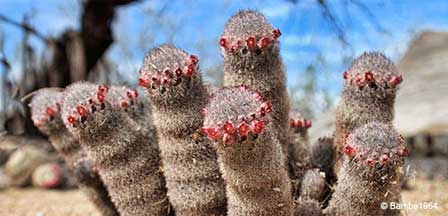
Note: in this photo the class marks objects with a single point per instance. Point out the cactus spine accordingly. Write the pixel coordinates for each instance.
(177, 94)
(127, 159)
(45, 113)
(250, 48)
(373, 156)
(238, 121)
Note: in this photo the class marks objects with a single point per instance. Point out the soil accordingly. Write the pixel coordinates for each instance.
(40, 202)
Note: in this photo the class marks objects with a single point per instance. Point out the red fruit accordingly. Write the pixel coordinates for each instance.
(292, 123)
(251, 42)
(71, 119)
(258, 126)
(194, 59)
(100, 96)
(50, 111)
(124, 104)
(228, 128)
(258, 96)
(345, 75)
(370, 162)
(129, 94)
(190, 70)
(82, 110)
(349, 150)
(369, 76)
(395, 80)
(212, 133)
(308, 123)
(276, 33)
(223, 42)
(266, 107)
(264, 42)
(227, 139)
(384, 159)
(404, 152)
(299, 123)
(165, 81)
(143, 82)
(243, 130)
(103, 88)
(178, 72)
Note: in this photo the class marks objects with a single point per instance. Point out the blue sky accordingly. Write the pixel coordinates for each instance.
(196, 26)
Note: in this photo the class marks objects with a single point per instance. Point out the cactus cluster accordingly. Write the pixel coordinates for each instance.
(202, 150)
(46, 115)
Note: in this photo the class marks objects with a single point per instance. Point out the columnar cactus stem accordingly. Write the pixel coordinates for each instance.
(314, 185)
(250, 48)
(374, 155)
(239, 123)
(177, 94)
(127, 159)
(369, 94)
(323, 155)
(298, 149)
(45, 113)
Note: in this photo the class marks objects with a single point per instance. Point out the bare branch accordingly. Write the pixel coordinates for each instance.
(26, 27)
(372, 18)
(328, 14)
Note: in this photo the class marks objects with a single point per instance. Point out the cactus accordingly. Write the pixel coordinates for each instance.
(314, 185)
(298, 149)
(177, 94)
(239, 123)
(373, 156)
(250, 47)
(45, 113)
(308, 207)
(369, 93)
(323, 156)
(127, 159)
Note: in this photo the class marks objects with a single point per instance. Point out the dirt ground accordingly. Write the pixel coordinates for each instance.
(38, 202)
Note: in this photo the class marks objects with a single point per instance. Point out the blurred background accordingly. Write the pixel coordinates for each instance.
(53, 43)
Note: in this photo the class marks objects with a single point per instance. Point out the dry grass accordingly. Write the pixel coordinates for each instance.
(427, 191)
(38, 202)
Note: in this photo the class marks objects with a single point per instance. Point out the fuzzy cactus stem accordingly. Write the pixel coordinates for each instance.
(250, 47)
(370, 171)
(126, 158)
(239, 122)
(46, 115)
(177, 94)
(370, 86)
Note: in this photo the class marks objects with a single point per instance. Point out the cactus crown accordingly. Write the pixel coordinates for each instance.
(80, 100)
(375, 144)
(297, 123)
(124, 98)
(248, 32)
(169, 72)
(45, 110)
(372, 70)
(234, 113)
